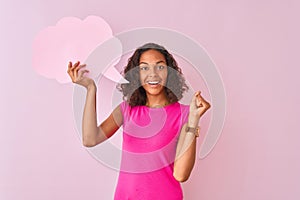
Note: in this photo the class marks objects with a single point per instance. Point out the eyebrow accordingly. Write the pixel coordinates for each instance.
(161, 61)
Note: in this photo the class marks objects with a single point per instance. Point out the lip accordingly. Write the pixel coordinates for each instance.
(153, 85)
(153, 81)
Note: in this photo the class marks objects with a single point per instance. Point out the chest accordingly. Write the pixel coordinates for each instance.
(151, 130)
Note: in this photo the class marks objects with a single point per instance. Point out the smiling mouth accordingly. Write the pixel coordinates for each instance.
(153, 82)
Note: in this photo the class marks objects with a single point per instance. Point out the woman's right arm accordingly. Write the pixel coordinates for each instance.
(91, 133)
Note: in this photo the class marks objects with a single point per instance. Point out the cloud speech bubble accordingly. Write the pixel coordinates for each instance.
(71, 39)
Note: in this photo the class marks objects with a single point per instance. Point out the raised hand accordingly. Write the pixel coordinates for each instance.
(78, 76)
(198, 106)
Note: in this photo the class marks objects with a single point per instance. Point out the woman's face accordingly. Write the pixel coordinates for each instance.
(153, 72)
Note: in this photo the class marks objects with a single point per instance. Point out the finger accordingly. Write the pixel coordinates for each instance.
(198, 99)
(204, 101)
(71, 76)
(69, 65)
(199, 103)
(194, 101)
(205, 104)
(70, 72)
(197, 94)
(195, 98)
(82, 72)
(75, 65)
(201, 98)
(78, 68)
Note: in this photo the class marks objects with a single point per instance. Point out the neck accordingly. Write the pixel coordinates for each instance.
(157, 101)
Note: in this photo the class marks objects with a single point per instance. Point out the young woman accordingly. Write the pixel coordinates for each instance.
(159, 133)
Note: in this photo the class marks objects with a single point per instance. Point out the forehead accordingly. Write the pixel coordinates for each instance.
(152, 56)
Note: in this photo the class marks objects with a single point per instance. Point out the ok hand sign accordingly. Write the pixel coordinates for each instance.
(198, 105)
(77, 76)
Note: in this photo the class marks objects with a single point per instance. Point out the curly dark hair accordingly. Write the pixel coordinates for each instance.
(135, 94)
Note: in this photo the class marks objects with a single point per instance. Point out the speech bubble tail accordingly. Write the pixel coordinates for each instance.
(112, 74)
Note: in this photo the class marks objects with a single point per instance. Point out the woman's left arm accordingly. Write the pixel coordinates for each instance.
(186, 146)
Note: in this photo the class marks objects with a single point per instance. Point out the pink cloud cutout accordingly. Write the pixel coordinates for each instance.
(71, 39)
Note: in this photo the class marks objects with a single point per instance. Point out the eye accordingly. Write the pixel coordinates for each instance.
(144, 68)
(160, 67)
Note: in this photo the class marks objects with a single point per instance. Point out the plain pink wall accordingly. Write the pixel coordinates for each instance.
(255, 45)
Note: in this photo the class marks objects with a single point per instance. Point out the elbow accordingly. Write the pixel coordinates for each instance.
(180, 177)
(87, 143)
(181, 173)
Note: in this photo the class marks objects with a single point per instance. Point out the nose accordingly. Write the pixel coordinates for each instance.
(152, 71)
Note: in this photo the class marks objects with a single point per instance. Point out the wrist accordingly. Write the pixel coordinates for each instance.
(193, 122)
(192, 130)
(92, 87)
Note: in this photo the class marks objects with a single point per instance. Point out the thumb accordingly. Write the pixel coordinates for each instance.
(194, 99)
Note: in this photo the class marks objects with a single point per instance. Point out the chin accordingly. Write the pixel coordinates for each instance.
(154, 91)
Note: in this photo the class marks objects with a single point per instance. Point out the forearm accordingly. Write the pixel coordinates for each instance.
(89, 121)
(185, 152)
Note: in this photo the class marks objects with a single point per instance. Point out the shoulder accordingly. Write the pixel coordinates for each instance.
(125, 107)
(184, 107)
(184, 110)
(124, 104)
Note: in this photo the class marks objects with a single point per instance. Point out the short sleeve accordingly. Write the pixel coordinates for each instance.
(125, 109)
(185, 109)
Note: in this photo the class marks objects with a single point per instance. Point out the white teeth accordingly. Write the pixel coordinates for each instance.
(153, 82)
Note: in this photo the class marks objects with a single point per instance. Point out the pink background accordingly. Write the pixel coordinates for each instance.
(255, 45)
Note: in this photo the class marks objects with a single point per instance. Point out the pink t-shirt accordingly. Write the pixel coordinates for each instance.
(150, 137)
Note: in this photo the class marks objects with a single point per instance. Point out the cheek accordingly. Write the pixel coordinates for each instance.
(164, 76)
(142, 78)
